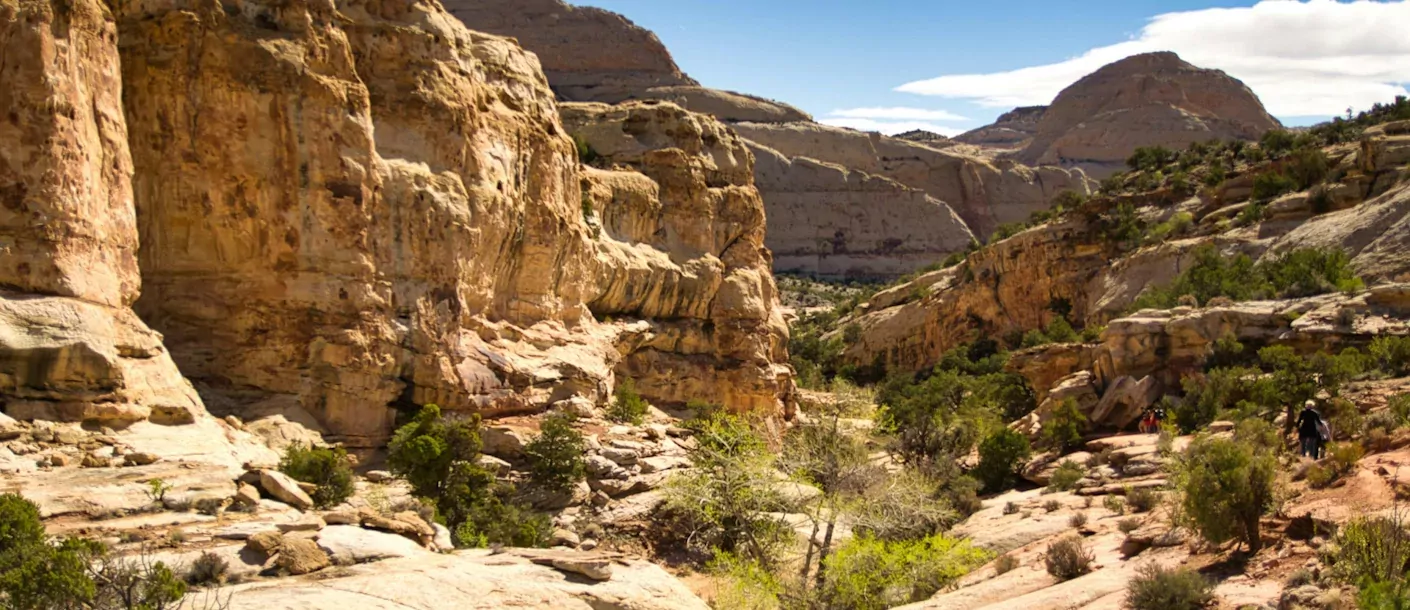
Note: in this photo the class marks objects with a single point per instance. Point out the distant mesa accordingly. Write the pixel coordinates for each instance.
(1143, 100)
(1010, 133)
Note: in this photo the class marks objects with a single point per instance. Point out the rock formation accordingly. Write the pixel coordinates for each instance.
(593, 55)
(1014, 285)
(832, 221)
(384, 213)
(70, 347)
(1012, 131)
(1143, 100)
(985, 194)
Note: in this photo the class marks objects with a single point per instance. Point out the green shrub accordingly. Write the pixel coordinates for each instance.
(1010, 508)
(1067, 559)
(1007, 230)
(1296, 273)
(1066, 476)
(628, 407)
(1158, 588)
(1150, 158)
(1307, 167)
(1270, 185)
(1320, 201)
(1000, 456)
(1311, 271)
(439, 457)
(1275, 142)
(1342, 458)
(1400, 407)
(1391, 354)
(1064, 428)
(556, 455)
(1114, 503)
(870, 574)
(1383, 595)
(1371, 548)
(327, 468)
(1225, 487)
(586, 154)
(1142, 499)
(744, 584)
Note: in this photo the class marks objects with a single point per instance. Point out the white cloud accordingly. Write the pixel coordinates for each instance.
(890, 128)
(897, 114)
(1303, 58)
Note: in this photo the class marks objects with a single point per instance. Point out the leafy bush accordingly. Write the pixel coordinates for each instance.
(1010, 508)
(870, 574)
(1400, 407)
(628, 407)
(327, 468)
(1005, 564)
(744, 584)
(1142, 499)
(1307, 167)
(556, 455)
(724, 502)
(1067, 559)
(39, 574)
(1000, 455)
(1007, 230)
(1271, 184)
(1225, 487)
(1342, 457)
(1311, 271)
(1391, 354)
(586, 154)
(1150, 158)
(1275, 142)
(439, 457)
(1114, 503)
(1064, 428)
(1371, 548)
(1383, 595)
(1297, 273)
(1158, 588)
(1066, 476)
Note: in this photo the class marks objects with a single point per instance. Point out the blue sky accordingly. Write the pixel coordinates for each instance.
(963, 63)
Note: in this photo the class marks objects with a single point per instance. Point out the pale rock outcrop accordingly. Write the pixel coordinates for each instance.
(593, 55)
(984, 193)
(1144, 100)
(70, 349)
(828, 220)
(685, 249)
(1012, 131)
(476, 580)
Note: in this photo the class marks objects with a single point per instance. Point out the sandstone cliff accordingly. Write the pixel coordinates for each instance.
(70, 347)
(831, 221)
(1012, 131)
(592, 55)
(345, 210)
(985, 194)
(1143, 100)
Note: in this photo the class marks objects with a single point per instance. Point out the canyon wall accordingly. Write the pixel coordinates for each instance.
(70, 347)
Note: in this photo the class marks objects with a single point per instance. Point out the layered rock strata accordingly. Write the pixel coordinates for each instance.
(70, 347)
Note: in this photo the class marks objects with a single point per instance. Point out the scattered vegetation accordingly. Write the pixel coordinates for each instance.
(871, 574)
(1158, 588)
(326, 468)
(1225, 487)
(1068, 558)
(1077, 520)
(628, 407)
(1066, 476)
(556, 455)
(1297, 273)
(208, 569)
(439, 457)
(1064, 429)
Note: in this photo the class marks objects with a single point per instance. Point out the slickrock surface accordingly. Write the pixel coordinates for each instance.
(1143, 100)
(831, 221)
(985, 194)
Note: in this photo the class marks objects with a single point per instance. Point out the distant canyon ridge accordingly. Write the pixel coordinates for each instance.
(843, 203)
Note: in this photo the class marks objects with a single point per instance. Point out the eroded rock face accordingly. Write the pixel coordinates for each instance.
(593, 55)
(1013, 130)
(985, 194)
(70, 349)
(1143, 100)
(827, 220)
(683, 244)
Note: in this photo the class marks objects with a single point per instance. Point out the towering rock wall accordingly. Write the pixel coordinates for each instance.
(683, 245)
(70, 348)
(832, 221)
(985, 194)
(346, 209)
(1143, 100)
